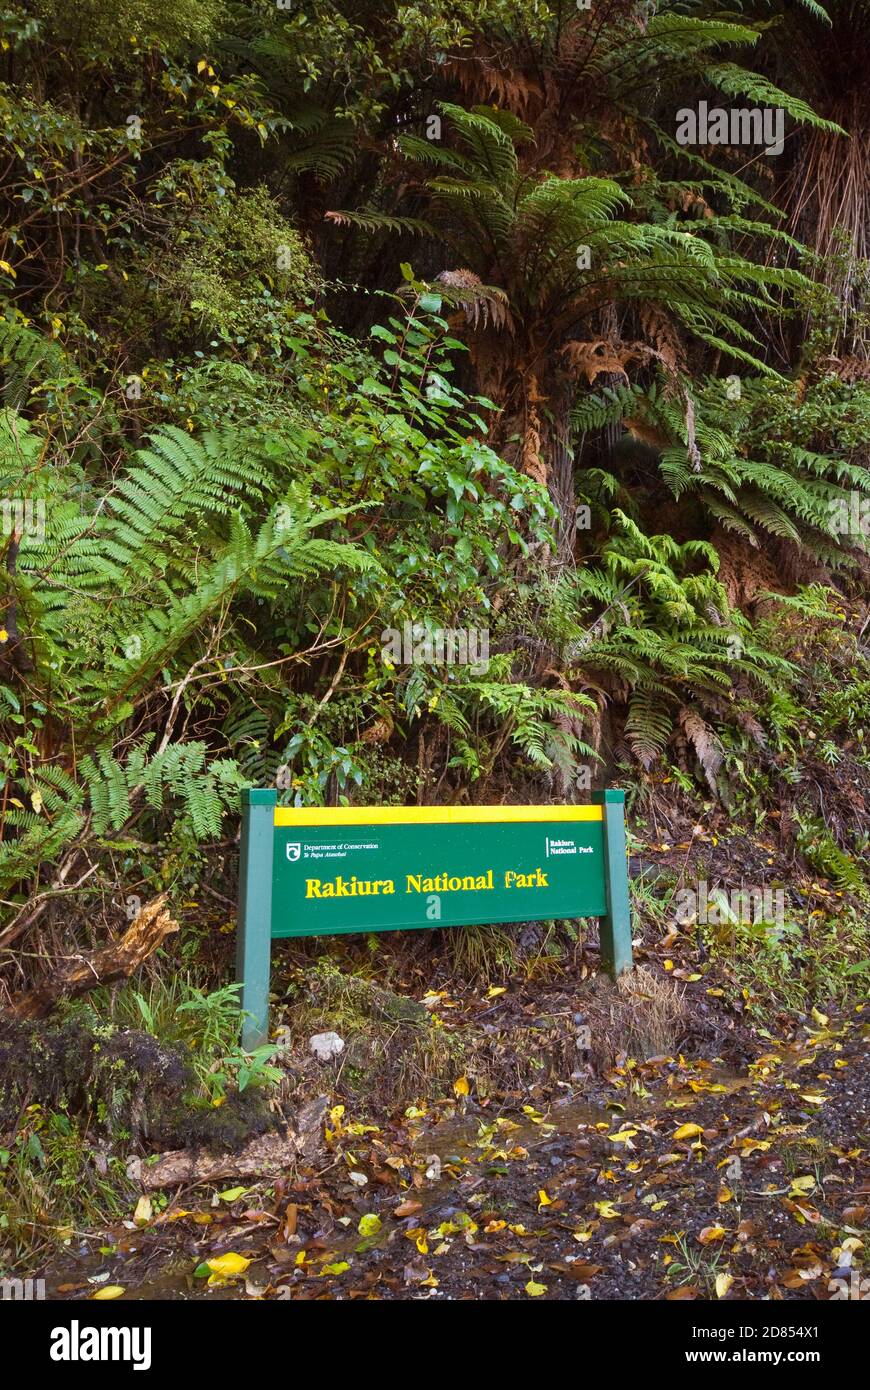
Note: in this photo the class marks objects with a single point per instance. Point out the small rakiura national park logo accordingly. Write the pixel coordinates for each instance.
(293, 852)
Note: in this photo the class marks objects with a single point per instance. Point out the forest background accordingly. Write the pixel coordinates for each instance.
(322, 323)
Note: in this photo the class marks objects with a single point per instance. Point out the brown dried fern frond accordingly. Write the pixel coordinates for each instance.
(708, 749)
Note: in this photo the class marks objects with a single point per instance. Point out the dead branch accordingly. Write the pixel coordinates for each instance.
(118, 961)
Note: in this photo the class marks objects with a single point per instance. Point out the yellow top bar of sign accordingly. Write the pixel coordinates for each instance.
(430, 815)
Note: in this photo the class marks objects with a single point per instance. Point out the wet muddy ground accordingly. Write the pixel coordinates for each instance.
(671, 1178)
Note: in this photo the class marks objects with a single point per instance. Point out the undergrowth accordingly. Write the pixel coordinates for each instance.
(812, 960)
(56, 1179)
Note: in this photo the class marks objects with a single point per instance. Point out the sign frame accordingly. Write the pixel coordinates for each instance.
(263, 822)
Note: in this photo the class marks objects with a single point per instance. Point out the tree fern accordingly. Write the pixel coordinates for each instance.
(645, 624)
(787, 490)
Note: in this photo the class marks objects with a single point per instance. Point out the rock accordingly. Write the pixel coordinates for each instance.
(309, 1126)
(325, 1046)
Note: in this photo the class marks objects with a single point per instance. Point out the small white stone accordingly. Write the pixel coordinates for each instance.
(325, 1046)
(359, 1178)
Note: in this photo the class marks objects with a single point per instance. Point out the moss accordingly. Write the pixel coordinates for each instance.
(332, 987)
(126, 1083)
(393, 1049)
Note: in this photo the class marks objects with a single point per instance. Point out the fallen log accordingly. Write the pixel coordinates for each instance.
(117, 961)
(267, 1156)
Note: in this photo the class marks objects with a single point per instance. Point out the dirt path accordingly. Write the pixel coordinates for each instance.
(676, 1179)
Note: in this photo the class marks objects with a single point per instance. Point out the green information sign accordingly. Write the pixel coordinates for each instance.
(327, 870)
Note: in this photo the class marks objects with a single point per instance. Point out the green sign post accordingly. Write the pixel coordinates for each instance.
(322, 871)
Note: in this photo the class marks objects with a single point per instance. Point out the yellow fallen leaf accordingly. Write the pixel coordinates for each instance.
(723, 1284)
(228, 1265)
(688, 1131)
(369, 1225)
(801, 1187)
(535, 1290)
(607, 1210)
(495, 990)
(108, 1291)
(544, 1200)
(711, 1233)
(821, 1019)
(461, 1086)
(144, 1211)
(232, 1194)
(418, 1236)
